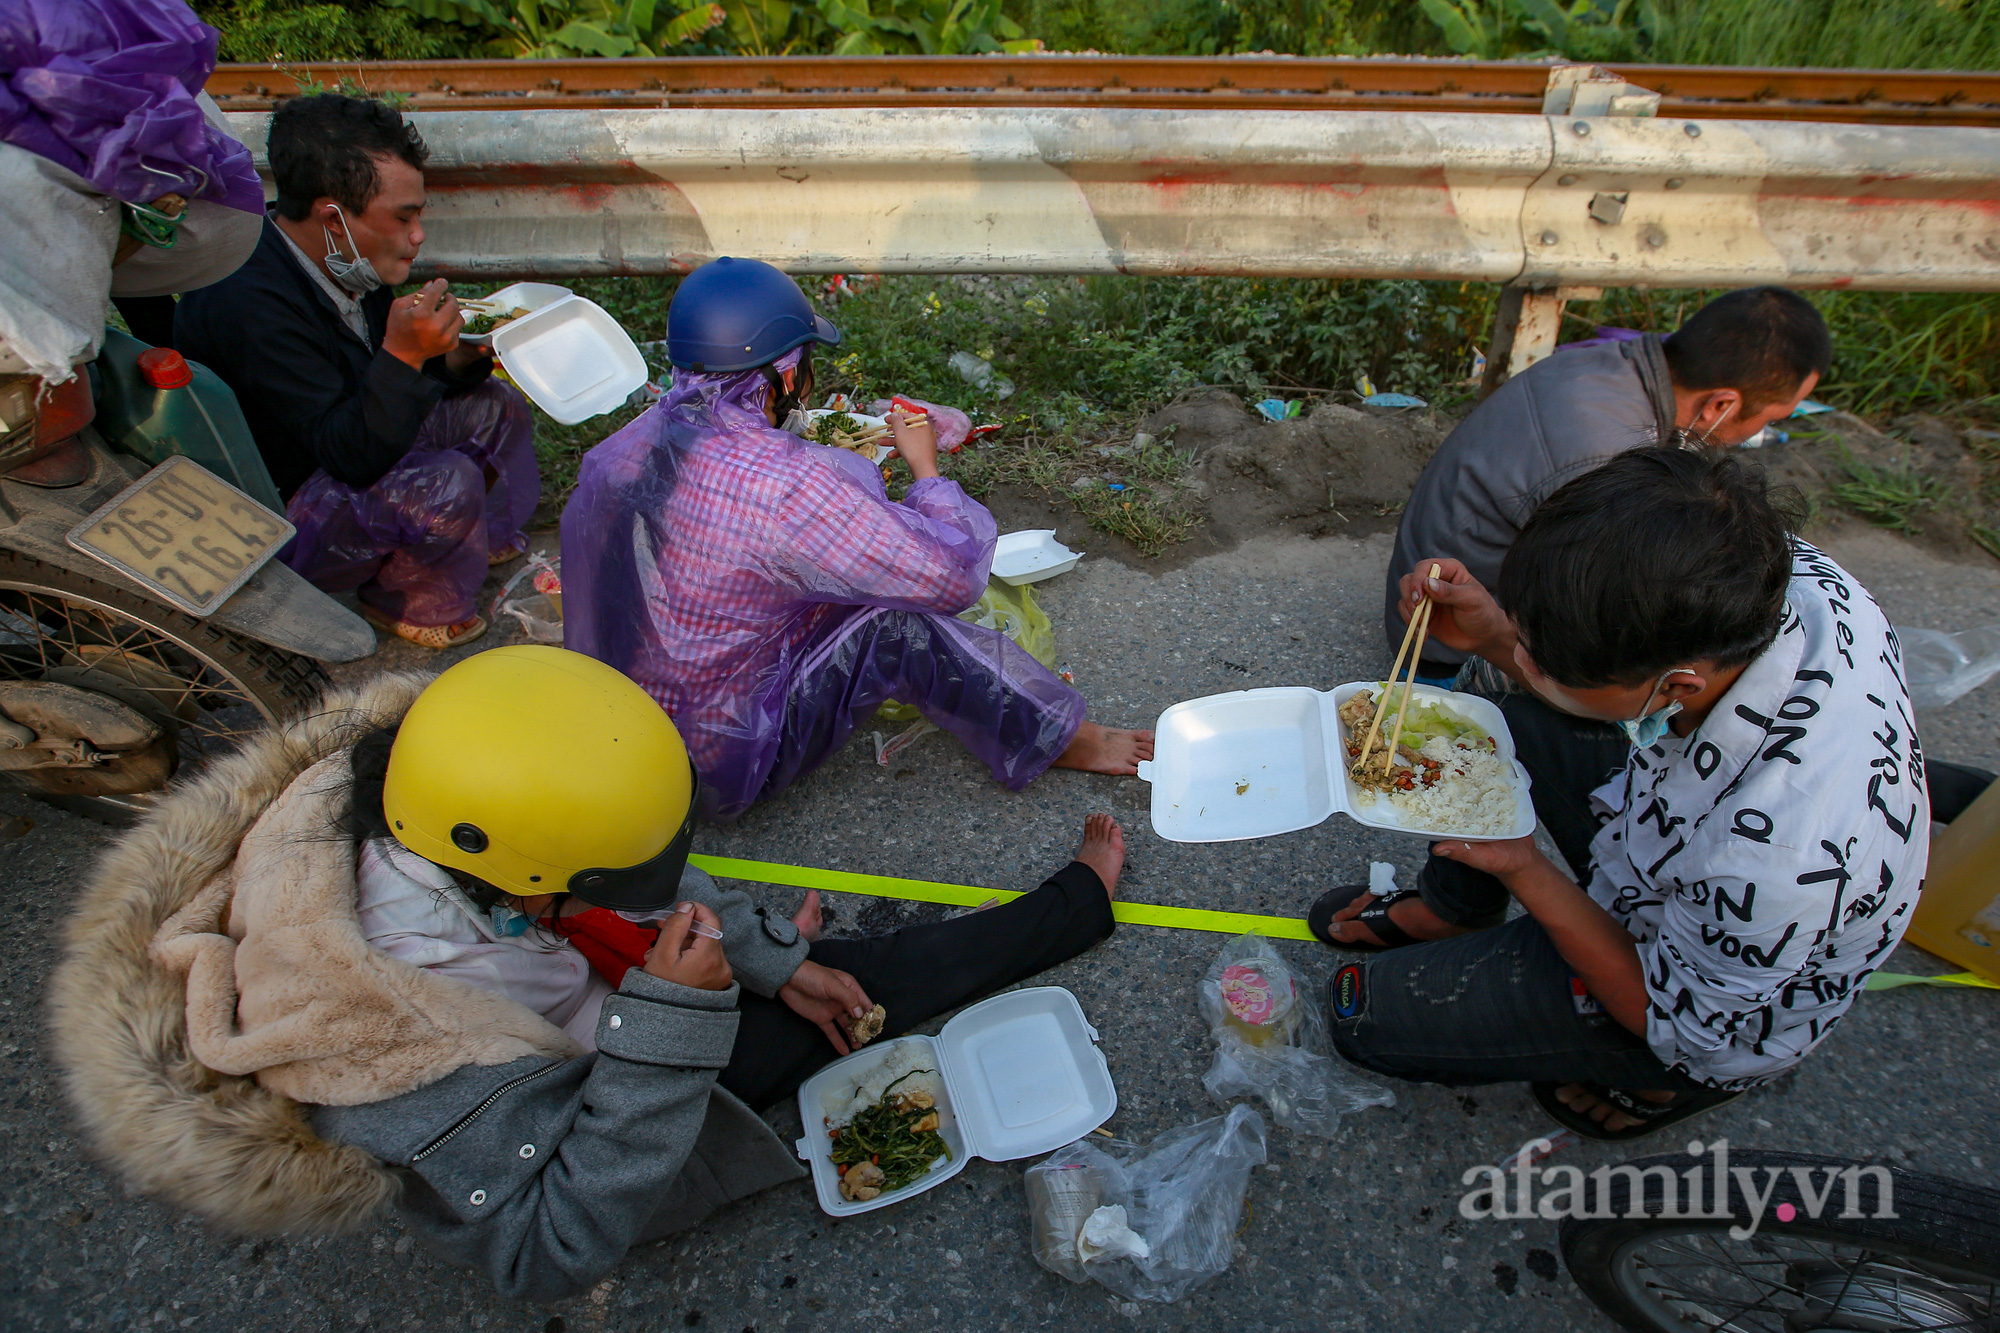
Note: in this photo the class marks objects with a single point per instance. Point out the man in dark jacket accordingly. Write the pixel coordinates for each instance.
(1739, 363)
(407, 469)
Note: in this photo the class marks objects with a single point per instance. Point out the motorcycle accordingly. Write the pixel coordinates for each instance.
(145, 625)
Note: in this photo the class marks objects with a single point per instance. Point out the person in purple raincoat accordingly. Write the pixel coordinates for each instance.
(407, 469)
(768, 592)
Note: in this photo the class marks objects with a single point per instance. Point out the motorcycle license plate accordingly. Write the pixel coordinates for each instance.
(183, 533)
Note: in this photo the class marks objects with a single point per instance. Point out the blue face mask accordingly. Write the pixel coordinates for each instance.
(507, 923)
(1645, 730)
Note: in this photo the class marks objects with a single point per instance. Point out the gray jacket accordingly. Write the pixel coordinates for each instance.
(1561, 417)
(542, 1174)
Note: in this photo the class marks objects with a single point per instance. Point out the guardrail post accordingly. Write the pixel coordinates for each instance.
(1525, 329)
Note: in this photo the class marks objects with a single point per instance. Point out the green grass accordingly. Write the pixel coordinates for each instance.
(1887, 497)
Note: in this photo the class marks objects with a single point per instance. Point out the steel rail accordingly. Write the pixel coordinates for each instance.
(1542, 201)
(1251, 83)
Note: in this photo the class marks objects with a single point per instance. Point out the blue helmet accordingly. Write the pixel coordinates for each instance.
(738, 314)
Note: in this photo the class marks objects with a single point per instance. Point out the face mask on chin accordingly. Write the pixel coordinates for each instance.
(356, 275)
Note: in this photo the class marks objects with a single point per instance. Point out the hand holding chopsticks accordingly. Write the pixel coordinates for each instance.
(1420, 621)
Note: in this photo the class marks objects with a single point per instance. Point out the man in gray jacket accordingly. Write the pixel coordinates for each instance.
(1739, 363)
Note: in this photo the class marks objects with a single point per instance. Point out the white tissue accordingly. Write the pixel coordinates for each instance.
(1381, 878)
(1105, 1236)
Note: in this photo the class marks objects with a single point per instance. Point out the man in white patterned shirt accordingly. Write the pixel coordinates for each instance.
(1751, 864)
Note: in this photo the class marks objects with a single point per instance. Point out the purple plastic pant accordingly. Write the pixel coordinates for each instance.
(1014, 714)
(415, 543)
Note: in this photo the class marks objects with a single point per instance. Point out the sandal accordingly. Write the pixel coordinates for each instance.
(1652, 1116)
(1320, 919)
(494, 559)
(435, 637)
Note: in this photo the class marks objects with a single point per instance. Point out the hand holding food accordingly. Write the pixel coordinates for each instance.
(423, 324)
(686, 956)
(1501, 859)
(823, 996)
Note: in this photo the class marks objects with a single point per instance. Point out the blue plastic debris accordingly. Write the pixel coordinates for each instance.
(1117, 486)
(1392, 400)
(1810, 408)
(1277, 409)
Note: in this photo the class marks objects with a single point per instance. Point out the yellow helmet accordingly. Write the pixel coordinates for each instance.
(544, 771)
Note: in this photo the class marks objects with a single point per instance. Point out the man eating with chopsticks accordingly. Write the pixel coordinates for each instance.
(406, 467)
(1734, 883)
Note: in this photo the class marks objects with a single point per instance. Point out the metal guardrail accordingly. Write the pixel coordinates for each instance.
(1157, 82)
(1544, 201)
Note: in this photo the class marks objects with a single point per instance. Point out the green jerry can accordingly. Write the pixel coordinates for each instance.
(154, 403)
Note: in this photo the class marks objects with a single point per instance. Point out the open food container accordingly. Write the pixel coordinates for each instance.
(528, 296)
(1022, 1076)
(1257, 763)
(1030, 557)
(879, 454)
(569, 356)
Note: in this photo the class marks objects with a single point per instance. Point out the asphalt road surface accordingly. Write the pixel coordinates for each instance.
(1358, 1232)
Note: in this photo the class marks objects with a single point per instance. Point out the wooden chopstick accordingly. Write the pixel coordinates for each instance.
(1410, 688)
(1420, 620)
(1382, 704)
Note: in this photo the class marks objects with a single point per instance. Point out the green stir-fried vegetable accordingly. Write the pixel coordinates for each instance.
(886, 1135)
(1426, 720)
(828, 429)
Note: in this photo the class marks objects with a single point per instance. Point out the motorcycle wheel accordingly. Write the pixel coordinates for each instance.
(207, 687)
(1933, 1265)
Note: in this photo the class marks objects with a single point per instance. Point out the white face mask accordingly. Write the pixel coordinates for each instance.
(357, 275)
(1643, 730)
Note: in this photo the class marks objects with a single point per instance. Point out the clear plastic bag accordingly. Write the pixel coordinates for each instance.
(540, 611)
(1271, 1042)
(1940, 667)
(1182, 1195)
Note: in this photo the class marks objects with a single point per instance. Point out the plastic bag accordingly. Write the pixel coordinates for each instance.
(1182, 1196)
(1940, 667)
(1271, 1042)
(953, 427)
(540, 611)
(107, 88)
(1012, 611)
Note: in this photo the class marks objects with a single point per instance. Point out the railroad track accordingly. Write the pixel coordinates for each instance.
(1265, 83)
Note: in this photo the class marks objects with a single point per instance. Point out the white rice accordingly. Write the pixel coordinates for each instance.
(1473, 798)
(866, 1083)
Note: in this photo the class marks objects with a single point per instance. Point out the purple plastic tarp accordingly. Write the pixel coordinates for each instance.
(770, 595)
(106, 88)
(415, 543)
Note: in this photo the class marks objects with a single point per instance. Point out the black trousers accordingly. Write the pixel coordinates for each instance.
(1500, 1005)
(918, 973)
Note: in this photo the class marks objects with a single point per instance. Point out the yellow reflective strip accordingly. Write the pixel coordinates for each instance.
(966, 895)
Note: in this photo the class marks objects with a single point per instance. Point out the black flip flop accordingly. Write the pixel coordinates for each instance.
(1652, 1116)
(1320, 919)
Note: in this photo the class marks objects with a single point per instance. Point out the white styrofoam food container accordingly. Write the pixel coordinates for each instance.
(571, 357)
(1021, 1074)
(882, 451)
(1282, 748)
(1030, 557)
(528, 296)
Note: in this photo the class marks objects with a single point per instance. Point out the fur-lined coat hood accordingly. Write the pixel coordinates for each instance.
(240, 879)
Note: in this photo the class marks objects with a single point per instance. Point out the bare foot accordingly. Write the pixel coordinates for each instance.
(808, 918)
(1097, 749)
(1103, 850)
(1574, 1096)
(1411, 914)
